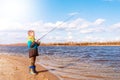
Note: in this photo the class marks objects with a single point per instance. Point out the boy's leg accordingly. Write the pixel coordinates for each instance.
(32, 65)
(32, 61)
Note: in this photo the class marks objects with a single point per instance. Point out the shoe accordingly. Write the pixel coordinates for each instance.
(32, 70)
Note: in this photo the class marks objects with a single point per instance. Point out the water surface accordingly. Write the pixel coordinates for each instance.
(76, 63)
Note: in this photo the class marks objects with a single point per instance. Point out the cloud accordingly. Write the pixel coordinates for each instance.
(8, 25)
(79, 24)
(91, 38)
(99, 21)
(13, 37)
(82, 26)
(69, 36)
(114, 27)
(76, 24)
(90, 30)
(73, 13)
(68, 31)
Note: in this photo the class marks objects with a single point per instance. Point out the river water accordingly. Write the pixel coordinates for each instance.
(76, 62)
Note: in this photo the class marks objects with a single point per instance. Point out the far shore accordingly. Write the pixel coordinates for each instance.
(70, 44)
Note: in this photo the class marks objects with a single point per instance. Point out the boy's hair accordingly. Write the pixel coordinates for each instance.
(30, 31)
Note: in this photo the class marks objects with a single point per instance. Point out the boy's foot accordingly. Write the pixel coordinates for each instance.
(32, 70)
(33, 73)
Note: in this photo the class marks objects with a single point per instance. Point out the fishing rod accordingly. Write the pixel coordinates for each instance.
(55, 27)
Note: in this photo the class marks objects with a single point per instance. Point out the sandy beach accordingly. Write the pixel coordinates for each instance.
(16, 68)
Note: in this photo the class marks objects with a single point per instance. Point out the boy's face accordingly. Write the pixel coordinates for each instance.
(32, 34)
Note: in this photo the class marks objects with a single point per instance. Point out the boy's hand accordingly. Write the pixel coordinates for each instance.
(37, 41)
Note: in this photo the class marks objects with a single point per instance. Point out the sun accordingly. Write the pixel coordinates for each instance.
(13, 8)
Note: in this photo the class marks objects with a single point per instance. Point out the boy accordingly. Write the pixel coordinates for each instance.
(33, 51)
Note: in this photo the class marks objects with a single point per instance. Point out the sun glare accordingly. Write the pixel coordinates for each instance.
(13, 9)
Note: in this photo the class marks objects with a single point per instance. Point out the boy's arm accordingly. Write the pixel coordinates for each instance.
(35, 43)
(29, 44)
(32, 44)
(38, 43)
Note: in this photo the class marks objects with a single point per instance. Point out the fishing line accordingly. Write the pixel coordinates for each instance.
(56, 27)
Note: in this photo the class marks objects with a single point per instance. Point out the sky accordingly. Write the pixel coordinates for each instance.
(91, 21)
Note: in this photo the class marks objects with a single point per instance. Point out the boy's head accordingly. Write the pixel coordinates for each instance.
(31, 33)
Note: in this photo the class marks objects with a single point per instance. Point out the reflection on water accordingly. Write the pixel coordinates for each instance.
(77, 63)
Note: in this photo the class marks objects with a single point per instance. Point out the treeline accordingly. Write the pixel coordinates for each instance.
(82, 44)
(70, 44)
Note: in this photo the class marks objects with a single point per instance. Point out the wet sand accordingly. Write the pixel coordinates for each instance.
(16, 68)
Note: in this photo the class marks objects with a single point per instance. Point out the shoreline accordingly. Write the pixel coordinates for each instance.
(69, 44)
(16, 68)
(58, 45)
